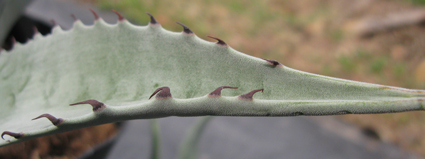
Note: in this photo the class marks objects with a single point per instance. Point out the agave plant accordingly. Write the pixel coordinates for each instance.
(127, 72)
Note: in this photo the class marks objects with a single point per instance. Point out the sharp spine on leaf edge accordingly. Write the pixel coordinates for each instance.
(97, 106)
(153, 20)
(217, 92)
(96, 17)
(161, 93)
(120, 17)
(15, 135)
(74, 17)
(185, 28)
(249, 95)
(55, 121)
(219, 41)
(273, 62)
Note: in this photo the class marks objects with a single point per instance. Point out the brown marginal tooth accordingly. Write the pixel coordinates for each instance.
(219, 41)
(217, 92)
(55, 121)
(273, 62)
(96, 17)
(97, 106)
(153, 20)
(249, 95)
(161, 93)
(35, 29)
(15, 135)
(185, 28)
(120, 17)
(53, 22)
(74, 17)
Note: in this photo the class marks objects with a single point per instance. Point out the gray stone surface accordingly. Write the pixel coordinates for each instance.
(258, 137)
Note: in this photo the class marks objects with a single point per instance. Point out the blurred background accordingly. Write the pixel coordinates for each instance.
(375, 41)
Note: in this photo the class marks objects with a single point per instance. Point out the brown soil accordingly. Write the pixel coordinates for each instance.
(66, 145)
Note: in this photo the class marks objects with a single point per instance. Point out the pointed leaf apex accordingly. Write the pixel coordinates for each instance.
(161, 93)
(55, 121)
(96, 17)
(219, 41)
(97, 106)
(185, 28)
(249, 95)
(15, 135)
(217, 92)
(120, 17)
(153, 20)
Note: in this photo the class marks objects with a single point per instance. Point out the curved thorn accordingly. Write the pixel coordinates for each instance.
(96, 17)
(185, 28)
(15, 135)
(273, 62)
(35, 29)
(74, 17)
(164, 92)
(120, 17)
(55, 121)
(53, 22)
(97, 106)
(219, 41)
(217, 92)
(249, 95)
(153, 20)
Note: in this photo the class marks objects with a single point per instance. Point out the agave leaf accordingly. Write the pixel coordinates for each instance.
(156, 140)
(121, 65)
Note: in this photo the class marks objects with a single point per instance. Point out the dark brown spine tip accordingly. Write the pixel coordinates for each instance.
(15, 135)
(97, 106)
(217, 92)
(96, 17)
(249, 95)
(153, 20)
(273, 62)
(35, 29)
(55, 121)
(53, 22)
(161, 93)
(219, 41)
(120, 17)
(185, 28)
(74, 17)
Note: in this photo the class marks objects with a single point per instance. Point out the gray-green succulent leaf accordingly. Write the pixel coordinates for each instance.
(108, 72)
